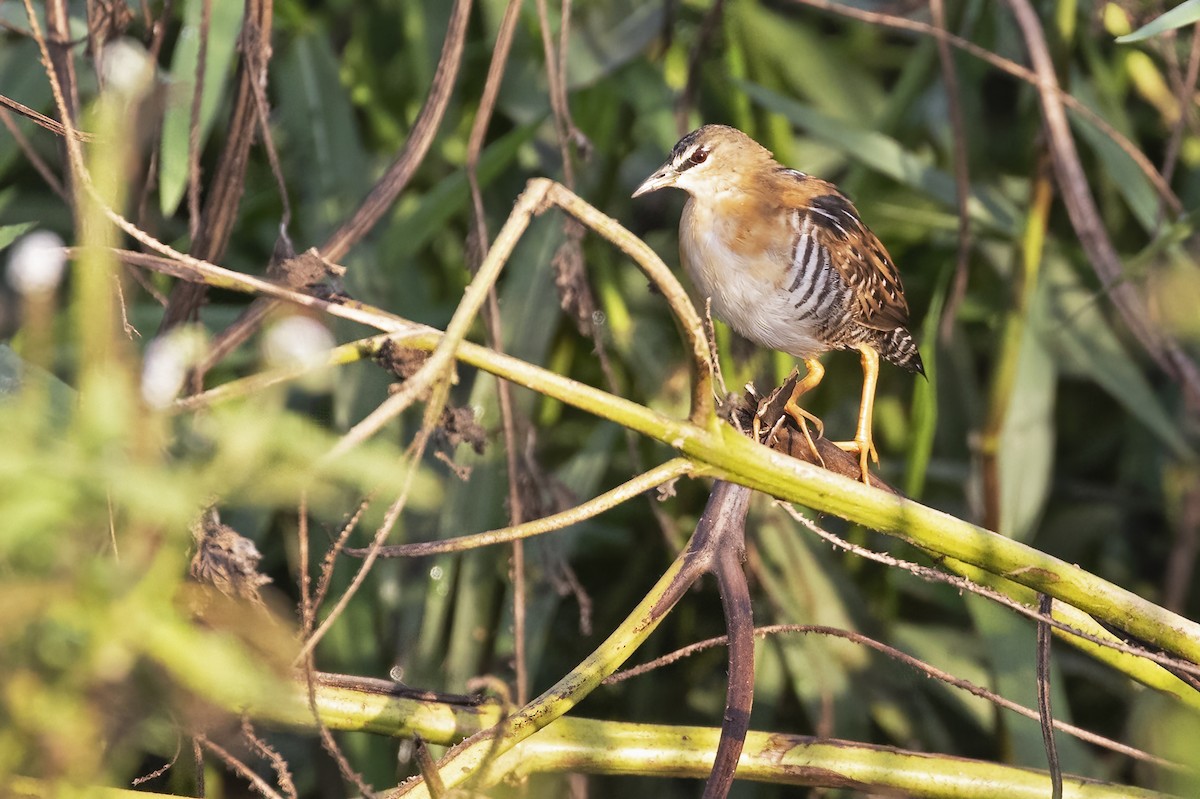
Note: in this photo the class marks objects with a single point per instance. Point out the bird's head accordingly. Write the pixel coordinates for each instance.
(708, 160)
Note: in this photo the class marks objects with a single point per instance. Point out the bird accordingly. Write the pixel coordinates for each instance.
(787, 262)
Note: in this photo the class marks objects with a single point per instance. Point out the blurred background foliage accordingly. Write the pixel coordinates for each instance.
(1033, 376)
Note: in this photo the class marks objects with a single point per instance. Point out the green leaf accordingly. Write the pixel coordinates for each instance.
(885, 155)
(1084, 342)
(20, 80)
(1183, 14)
(806, 584)
(414, 225)
(321, 141)
(1119, 168)
(10, 233)
(953, 651)
(1010, 647)
(1026, 455)
(224, 28)
(924, 405)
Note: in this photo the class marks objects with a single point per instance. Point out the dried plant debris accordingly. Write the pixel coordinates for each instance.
(401, 361)
(305, 270)
(225, 559)
(779, 431)
(458, 425)
(570, 278)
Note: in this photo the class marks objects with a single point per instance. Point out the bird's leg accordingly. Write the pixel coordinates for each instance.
(863, 442)
(816, 372)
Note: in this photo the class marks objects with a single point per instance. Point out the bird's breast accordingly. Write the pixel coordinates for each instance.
(743, 274)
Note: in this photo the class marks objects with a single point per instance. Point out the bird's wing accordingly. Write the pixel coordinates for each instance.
(856, 252)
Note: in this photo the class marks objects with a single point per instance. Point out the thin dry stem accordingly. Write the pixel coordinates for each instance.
(1016, 70)
(35, 160)
(247, 773)
(1045, 711)
(41, 119)
(1186, 92)
(389, 521)
(963, 584)
(915, 663)
(264, 750)
(962, 175)
(385, 192)
(516, 510)
(193, 153)
(671, 470)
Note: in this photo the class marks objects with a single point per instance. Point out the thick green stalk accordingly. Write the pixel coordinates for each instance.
(611, 747)
(738, 459)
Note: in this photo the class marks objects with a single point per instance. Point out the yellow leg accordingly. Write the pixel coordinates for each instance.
(863, 442)
(816, 372)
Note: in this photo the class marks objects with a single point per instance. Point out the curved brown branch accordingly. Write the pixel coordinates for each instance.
(1081, 208)
(385, 192)
(739, 626)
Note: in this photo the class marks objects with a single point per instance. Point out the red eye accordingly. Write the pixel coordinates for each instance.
(698, 157)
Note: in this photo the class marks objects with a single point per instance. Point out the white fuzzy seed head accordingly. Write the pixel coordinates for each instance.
(36, 263)
(126, 67)
(168, 359)
(297, 342)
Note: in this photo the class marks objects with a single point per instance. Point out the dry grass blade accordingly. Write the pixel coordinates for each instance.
(671, 470)
(224, 193)
(41, 119)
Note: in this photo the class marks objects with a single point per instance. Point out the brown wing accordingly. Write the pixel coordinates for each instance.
(854, 251)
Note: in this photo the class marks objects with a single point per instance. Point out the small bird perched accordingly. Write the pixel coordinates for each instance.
(787, 263)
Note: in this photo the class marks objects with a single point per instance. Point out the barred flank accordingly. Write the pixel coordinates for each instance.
(899, 348)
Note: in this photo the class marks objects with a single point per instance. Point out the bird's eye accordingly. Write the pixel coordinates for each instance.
(698, 157)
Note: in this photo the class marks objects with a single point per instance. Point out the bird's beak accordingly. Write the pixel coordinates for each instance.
(664, 177)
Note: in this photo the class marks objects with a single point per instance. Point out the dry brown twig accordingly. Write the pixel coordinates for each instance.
(224, 193)
(910, 661)
(238, 767)
(963, 584)
(962, 175)
(508, 422)
(1016, 70)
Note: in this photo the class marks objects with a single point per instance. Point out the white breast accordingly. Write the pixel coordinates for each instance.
(745, 288)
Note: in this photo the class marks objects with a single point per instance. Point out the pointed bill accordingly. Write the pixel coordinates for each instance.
(665, 176)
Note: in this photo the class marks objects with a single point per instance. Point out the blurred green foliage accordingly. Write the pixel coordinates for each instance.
(104, 658)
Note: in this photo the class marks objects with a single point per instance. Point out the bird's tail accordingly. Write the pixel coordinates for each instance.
(899, 348)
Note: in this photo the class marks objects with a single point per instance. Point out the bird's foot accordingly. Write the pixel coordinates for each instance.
(865, 449)
(802, 418)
